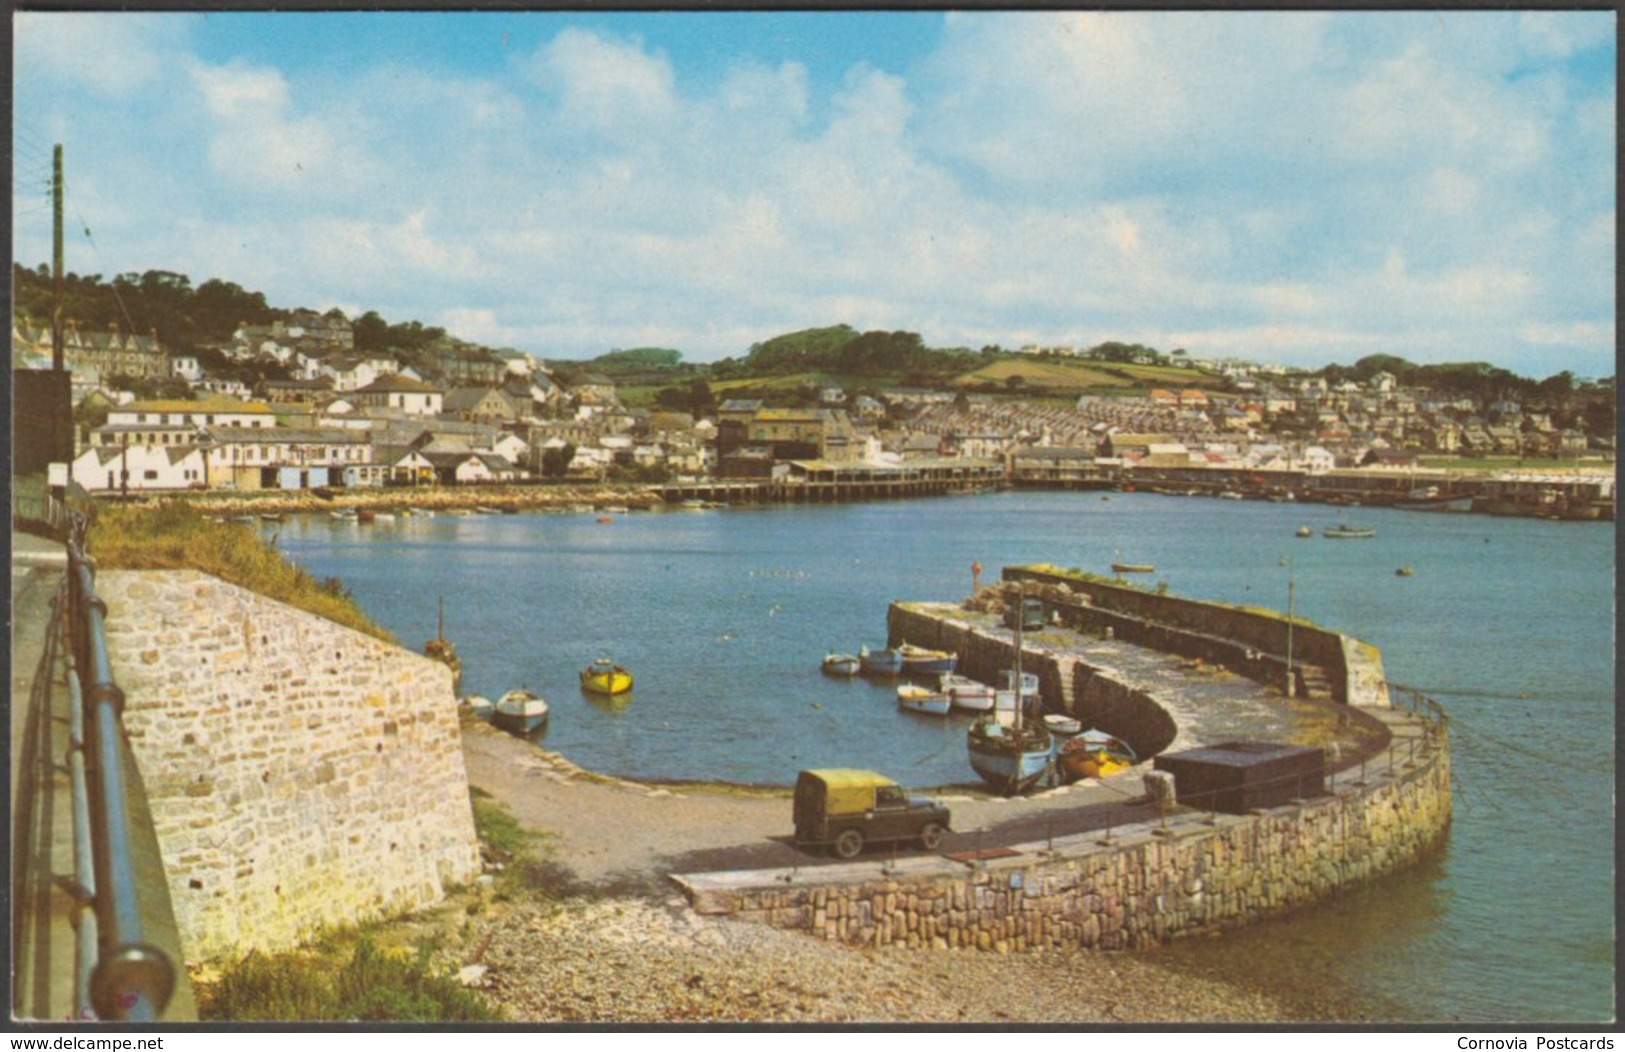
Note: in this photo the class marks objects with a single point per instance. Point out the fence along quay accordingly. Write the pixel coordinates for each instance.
(123, 945)
(1190, 868)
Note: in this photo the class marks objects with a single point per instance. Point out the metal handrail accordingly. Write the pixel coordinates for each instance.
(131, 979)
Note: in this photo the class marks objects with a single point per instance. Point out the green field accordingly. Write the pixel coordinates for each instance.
(1059, 375)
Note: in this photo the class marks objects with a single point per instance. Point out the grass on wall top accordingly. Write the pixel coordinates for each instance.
(174, 536)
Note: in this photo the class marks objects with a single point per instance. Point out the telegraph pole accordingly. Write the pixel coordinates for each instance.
(57, 353)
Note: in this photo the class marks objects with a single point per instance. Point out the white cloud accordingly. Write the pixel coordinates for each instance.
(109, 53)
(607, 86)
(1301, 184)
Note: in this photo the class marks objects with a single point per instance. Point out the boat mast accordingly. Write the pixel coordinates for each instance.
(1021, 616)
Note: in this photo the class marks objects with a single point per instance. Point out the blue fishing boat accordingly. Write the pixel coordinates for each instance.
(886, 662)
(1011, 758)
(1011, 749)
(920, 661)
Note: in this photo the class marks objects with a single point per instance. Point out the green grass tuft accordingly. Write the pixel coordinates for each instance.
(321, 984)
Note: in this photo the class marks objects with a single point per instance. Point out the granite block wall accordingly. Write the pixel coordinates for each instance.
(299, 773)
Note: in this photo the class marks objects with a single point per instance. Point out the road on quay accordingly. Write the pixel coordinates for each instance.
(618, 836)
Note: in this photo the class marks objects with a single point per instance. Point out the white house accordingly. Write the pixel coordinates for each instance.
(117, 469)
(412, 397)
(1317, 460)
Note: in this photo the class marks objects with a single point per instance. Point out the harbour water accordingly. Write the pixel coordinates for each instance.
(724, 617)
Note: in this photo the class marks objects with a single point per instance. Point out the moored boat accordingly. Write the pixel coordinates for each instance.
(442, 650)
(1062, 726)
(1028, 682)
(965, 693)
(1304, 531)
(520, 712)
(1347, 532)
(921, 661)
(603, 676)
(840, 665)
(914, 698)
(478, 705)
(1433, 499)
(1133, 568)
(883, 662)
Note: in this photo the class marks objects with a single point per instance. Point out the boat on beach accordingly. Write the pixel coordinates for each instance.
(1093, 754)
(520, 712)
(840, 664)
(603, 676)
(912, 697)
(1012, 750)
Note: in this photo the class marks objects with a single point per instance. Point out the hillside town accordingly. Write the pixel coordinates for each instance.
(466, 415)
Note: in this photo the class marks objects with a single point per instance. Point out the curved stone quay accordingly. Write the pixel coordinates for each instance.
(1166, 674)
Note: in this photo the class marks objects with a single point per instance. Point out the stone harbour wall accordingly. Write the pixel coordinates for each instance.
(1132, 888)
(1068, 684)
(299, 773)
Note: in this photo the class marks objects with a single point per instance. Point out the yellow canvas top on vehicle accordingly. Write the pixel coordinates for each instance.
(848, 789)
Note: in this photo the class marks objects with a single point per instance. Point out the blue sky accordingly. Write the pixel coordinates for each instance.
(1299, 188)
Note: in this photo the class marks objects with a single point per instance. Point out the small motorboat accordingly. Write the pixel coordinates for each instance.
(915, 698)
(1304, 531)
(1029, 682)
(884, 662)
(965, 693)
(840, 664)
(921, 661)
(478, 705)
(605, 677)
(1405, 571)
(1347, 532)
(520, 712)
(1094, 754)
(1062, 726)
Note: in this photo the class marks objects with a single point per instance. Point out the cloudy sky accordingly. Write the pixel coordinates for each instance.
(1299, 188)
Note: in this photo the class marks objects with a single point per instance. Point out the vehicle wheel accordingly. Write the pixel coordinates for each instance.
(849, 843)
(931, 836)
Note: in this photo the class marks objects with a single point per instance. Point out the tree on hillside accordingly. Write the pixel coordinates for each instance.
(371, 332)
